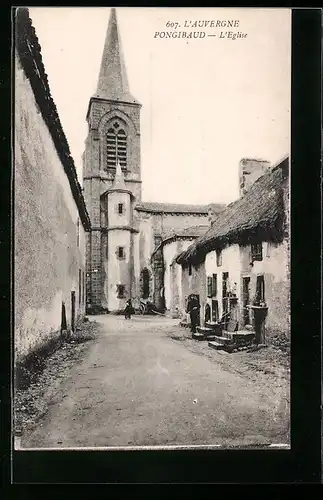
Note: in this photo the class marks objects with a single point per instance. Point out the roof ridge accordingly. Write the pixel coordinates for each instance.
(30, 56)
(257, 208)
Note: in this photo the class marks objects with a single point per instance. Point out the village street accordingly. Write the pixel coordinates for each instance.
(138, 385)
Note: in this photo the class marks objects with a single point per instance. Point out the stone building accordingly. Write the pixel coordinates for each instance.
(50, 217)
(244, 257)
(169, 248)
(125, 229)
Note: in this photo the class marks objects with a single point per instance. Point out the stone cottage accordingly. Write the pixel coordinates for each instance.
(50, 217)
(243, 259)
(169, 248)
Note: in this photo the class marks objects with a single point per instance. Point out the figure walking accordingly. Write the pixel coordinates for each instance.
(128, 309)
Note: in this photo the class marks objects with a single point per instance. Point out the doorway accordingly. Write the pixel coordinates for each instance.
(215, 311)
(246, 299)
(145, 283)
(260, 288)
(199, 309)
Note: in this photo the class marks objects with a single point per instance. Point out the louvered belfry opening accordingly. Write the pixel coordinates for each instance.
(116, 146)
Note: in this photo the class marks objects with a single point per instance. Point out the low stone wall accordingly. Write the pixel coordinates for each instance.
(278, 338)
(28, 366)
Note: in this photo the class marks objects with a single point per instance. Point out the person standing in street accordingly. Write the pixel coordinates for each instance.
(193, 310)
(128, 309)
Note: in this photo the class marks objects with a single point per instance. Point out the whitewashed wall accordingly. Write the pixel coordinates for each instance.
(47, 256)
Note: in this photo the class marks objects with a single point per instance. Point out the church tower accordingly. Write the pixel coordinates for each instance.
(111, 179)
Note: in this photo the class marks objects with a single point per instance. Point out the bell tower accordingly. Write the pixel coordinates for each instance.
(111, 157)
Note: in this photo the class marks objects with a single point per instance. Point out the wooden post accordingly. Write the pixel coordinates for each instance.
(72, 311)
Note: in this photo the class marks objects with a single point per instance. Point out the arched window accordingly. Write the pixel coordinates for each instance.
(116, 146)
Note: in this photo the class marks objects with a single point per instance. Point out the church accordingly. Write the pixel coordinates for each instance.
(121, 261)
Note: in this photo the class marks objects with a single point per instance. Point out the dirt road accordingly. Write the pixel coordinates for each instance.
(137, 386)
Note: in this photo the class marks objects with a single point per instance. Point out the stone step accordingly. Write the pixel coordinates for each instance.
(215, 345)
(244, 334)
(198, 336)
(238, 335)
(204, 330)
(215, 327)
(222, 340)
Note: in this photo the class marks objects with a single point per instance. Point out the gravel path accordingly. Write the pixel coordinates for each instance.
(144, 382)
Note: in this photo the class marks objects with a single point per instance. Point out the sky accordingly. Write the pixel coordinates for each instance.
(206, 102)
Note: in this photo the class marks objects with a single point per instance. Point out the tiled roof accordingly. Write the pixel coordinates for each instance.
(189, 233)
(29, 52)
(178, 208)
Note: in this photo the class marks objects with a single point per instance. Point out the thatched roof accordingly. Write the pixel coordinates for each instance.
(154, 207)
(257, 216)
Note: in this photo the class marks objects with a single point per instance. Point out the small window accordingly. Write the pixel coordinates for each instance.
(121, 254)
(190, 269)
(219, 258)
(256, 252)
(120, 208)
(121, 291)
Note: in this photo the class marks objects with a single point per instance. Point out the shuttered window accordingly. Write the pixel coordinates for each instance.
(116, 146)
(214, 285)
(209, 286)
(256, 252)
(111, 148)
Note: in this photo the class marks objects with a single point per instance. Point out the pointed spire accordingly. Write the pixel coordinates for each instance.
(118, 182)
(113, 80)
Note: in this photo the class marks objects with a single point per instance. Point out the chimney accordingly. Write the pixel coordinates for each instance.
(210, 215)
(250, 169)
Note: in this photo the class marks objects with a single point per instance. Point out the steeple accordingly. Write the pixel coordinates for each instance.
(113, 80)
